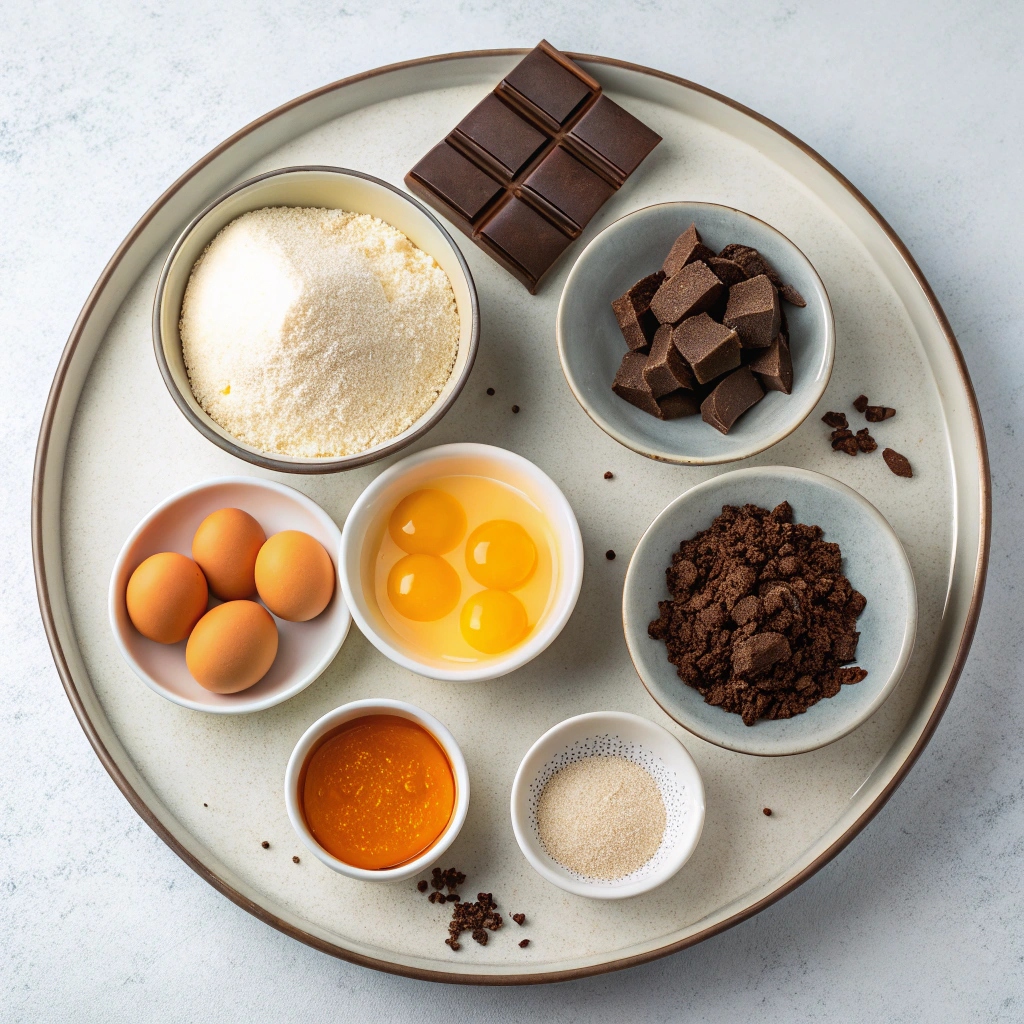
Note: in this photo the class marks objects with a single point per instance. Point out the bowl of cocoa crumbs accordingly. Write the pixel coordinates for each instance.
(770, 610)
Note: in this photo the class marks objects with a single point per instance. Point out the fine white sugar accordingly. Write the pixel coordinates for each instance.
(316, 332)
(602, 817)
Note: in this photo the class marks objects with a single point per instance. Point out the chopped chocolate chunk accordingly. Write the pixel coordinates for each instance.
(422, 885)
(761, 617)
(791, 295)
(726, 271)
(865, 442)
(608, 474)
(519, 918)
(498, 136)
(630, 384)
(566, 190)
(877, 413)
(612, 139)
(899, 464)
(523, 943)
(836, 420)
(774, 366)
(754, 264)
(710, 348)
(844, 441)
(685, 249)
(677, 404)
(666, 370)
(731, 398)
(633, 312)
(693, 290)
(860, 403)
(753, 312)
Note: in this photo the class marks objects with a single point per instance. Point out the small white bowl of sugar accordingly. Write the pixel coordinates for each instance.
(607, 805)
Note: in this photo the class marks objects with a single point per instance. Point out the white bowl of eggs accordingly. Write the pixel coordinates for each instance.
(225, 597)
(461, 562)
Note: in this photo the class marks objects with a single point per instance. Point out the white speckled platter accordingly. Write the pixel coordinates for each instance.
(113, 445)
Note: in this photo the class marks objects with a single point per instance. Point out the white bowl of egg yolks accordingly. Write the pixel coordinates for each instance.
(305, 649)
(461, 562)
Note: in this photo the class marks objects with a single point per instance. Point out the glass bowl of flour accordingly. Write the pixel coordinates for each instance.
(315, 319)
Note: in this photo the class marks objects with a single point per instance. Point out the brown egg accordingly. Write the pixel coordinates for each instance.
(232, 647)
(225, 547)
(166, 597)
(294, 576)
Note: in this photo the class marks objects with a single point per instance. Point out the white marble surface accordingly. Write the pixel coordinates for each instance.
(916, 103)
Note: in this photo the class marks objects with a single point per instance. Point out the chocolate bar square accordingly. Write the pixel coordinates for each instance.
(685, 249)
(633, 312)
(679, 403)
(562, 185)
(774, 366)
(666, 370)
(613, 138)
(462, 184)
(629, 384)
(521, 235)
(500, 135)
(708, 347)
(753, 312)
(544, 84)
(693, 290)
(731, 399)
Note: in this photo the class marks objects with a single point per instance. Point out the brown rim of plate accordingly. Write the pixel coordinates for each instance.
(268, 460)
(255, 909)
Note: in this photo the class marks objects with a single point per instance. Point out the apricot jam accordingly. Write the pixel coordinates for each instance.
(378, 792)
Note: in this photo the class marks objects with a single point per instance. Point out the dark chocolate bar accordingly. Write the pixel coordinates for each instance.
(527, 168)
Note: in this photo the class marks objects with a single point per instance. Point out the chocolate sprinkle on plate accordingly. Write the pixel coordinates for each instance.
(523, 943)
(608, 475)
(295, 860)
(265, 845)
(767, 812)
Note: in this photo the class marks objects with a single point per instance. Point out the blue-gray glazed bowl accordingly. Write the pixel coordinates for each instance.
(873, 560)
(591, 346)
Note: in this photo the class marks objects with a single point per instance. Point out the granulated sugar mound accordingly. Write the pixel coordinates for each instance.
(602, 817)
(317, 333)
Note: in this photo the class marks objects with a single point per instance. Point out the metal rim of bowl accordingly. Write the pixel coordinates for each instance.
(691, 460)
(339, 464)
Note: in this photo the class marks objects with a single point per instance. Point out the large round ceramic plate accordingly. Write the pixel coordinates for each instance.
(113, 445)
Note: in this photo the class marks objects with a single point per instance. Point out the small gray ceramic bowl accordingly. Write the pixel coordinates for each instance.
(590, 344)
(873, 560)
(334, 188)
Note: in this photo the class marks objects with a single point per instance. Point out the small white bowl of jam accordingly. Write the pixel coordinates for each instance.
(377, 789)
(462, 562)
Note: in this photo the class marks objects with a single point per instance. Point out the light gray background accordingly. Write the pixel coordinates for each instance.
(103, 105)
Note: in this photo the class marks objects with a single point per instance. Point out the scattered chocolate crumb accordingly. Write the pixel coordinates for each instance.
(519, 918)
(422, 885)
(767, 812)
(490, 391)
(865, 442)
(844, 441)
(295, 860)
(608, 474)
(877, 413)
(836, 420)
(860, 403)
(474, 918)
(899, 464)
(206, 805)
(435, 896)
(610, 555)
(515, 408)
(523, 943)
(762, 617)
(265, 845)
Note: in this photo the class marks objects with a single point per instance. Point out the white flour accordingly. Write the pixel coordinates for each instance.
(316, 332)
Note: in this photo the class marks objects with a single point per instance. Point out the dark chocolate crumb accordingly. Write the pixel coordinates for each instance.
(490, 391)
(860, 403)
(519, 918)
(865, 442)
(515, 408)
(877, 413)
(767, 812)
(844, 441)
(435, 896)
(610, 555)
(206, 805)
(899, 464)
(422, 885)
(265, 845)
(836, 420)
(480, 935)
(295, 860)
(523, 943)
(608, 475)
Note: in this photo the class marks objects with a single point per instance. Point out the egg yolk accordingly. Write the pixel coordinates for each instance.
(423, 587)
(500, 555)
(427, 522)
(493, 621)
